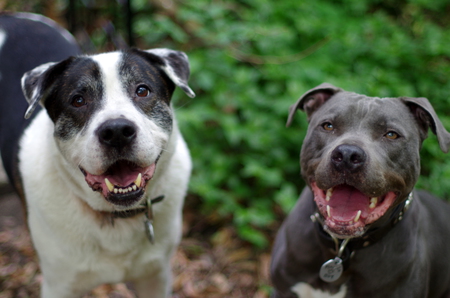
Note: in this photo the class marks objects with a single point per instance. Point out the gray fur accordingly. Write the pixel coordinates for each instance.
(412, 259)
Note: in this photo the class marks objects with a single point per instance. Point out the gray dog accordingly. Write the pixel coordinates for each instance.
(360, 229)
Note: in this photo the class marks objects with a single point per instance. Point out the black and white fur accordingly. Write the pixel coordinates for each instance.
(26, 41)
(106, 116)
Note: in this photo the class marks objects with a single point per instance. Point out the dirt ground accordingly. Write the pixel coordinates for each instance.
(210, 262)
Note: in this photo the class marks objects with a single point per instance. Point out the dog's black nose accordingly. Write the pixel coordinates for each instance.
(117, 133)
(348, 158)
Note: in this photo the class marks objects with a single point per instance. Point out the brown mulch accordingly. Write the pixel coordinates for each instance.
(210, 262)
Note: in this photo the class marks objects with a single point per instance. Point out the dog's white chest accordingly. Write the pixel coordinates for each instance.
(304, 290)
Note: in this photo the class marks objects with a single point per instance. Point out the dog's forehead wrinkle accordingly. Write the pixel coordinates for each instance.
(358, 112)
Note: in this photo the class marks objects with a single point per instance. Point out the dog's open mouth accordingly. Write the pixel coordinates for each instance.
(123, 183)
(347, 211)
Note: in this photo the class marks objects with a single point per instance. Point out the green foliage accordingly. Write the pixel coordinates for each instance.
(251, 59)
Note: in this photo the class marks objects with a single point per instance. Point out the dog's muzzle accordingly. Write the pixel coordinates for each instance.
(123, 183)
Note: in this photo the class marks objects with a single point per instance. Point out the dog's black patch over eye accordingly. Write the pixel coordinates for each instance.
(142, 91)
(78, 101)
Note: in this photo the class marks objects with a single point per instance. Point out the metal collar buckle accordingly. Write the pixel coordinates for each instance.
(332, 269)
(148, 222)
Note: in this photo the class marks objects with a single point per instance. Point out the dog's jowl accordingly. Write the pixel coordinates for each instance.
(104, 169)
(360, 229)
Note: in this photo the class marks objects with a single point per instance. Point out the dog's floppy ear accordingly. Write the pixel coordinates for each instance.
(38, 82)
(175, 64)
(312, 100)
(427, 118)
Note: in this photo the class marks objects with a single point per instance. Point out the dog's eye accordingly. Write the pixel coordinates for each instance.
(78, 101)
(392, 135)
(142, 91)
(328, 126)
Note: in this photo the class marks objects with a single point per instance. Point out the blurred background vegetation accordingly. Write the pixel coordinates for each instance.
(250, 60)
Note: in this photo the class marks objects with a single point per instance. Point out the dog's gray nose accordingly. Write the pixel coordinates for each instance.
(117, 133)
(348, 158)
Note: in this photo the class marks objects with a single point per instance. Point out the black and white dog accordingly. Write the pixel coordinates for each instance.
(92, 163)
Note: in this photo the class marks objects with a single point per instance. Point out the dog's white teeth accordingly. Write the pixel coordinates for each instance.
(328, 210)
(358, 215)
(122, 190)
(373, 202)
(329, 194)
(109, 185)
(138, 180)
(118, 189)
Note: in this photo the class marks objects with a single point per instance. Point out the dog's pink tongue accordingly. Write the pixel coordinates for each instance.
(346, 201)
(122, 174)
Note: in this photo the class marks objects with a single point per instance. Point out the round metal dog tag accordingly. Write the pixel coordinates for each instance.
(331, 270)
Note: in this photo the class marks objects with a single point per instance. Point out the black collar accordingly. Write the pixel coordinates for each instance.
(370, 237)
(133, 212)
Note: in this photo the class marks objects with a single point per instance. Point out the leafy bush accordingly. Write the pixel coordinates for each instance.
(251, 59)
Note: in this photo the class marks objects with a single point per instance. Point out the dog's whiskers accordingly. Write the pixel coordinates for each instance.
(183, 105)
(162, 149)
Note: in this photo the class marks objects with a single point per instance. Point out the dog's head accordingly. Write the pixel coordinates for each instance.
(361, 154)
(112, 114)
